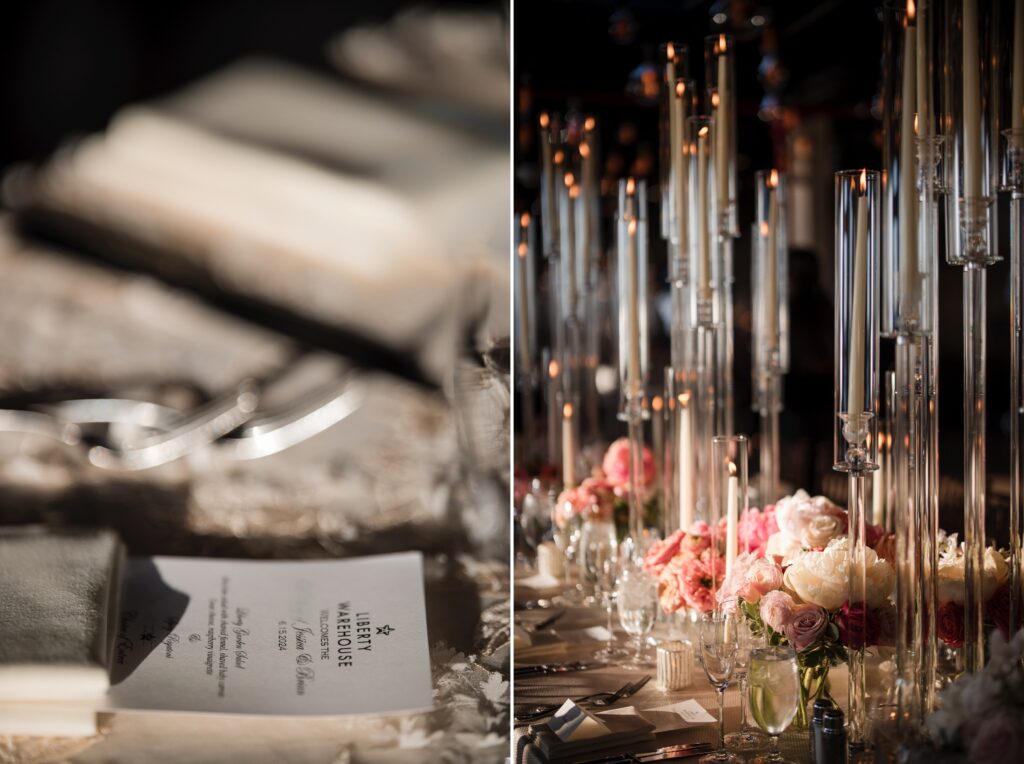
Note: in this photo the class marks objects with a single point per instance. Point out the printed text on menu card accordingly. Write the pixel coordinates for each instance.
(309, 638)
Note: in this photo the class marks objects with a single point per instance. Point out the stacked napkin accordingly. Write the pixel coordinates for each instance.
(574, 731)
(58, 609)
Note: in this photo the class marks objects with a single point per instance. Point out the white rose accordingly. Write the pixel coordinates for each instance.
(820, 530)
(951, 579)
(784, 546)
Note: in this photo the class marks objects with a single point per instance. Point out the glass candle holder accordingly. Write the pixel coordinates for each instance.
(971, 124)
(675, 665)
(720, 75)
(770, 277)
(631, 226)
(677, 106)
(705, 270)
(525, 295)
(908, 267)
(856, 322)
(728, 490)
(549, 213)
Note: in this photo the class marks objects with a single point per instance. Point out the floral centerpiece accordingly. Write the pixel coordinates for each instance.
(995, 591)
(603, 495)
(790, 583)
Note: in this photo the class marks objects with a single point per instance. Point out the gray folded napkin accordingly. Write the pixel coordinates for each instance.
(58, 608)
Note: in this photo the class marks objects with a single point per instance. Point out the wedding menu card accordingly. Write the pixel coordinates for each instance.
(278, 638)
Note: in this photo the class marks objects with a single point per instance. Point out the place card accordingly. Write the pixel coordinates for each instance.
(277, 638)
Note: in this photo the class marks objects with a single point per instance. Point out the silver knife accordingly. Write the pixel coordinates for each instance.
(556, 668)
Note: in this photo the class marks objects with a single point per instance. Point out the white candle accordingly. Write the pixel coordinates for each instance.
(923, 89)
(658, 439)
(908, 171)
(554, 421)
(523, 252)
(877, 496)
(568, 225)
(702, 211)
(685, 464)
(731, 538)
(771, 299)
(678, 115)
(972, 101)
(633, 287)
(855, 377)
(550, 215)
(723, 127)
(568, 448)
(1017, 121)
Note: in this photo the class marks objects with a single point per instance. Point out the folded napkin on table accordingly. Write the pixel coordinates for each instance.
(574, 731)
(58, 608)
(530, 644)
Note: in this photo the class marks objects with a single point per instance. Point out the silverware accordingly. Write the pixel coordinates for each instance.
(556, 668)
(548, 621)
(597, 700)
(669, 753)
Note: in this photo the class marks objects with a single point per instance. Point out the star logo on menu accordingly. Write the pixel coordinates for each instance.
(147, 637)
(385, 630)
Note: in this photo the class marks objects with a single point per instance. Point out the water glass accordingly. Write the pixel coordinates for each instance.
(774, 680)
(746, 738)
(636, 596)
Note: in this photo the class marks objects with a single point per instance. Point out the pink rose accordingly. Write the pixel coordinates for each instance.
(729, 591)
(806, 623)
(776, 608)
(599, 498)
(762, 577)
(662, 552)
(616, 465)
(755, 528)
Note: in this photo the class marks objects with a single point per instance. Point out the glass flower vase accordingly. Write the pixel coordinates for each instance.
(814, 685)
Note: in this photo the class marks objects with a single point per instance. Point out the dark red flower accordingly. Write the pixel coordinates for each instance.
(951, 624)
(858, 626)
(997, 609)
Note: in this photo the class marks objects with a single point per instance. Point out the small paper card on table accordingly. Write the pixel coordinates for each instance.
(276, 638)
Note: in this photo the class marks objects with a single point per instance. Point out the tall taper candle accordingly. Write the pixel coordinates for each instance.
(702, 210)
(685, 456)
(910, 278)
(972, 101)
(771, 300)
(722, 126)
(634, 313)
(731, 538)
(855, 397)
(568, 447)
(658, 438)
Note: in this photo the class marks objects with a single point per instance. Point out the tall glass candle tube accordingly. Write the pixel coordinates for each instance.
(856, 437)
(769, 277)
(972, 105)
(549, 214)
(525, 314)
(1011, 81)
(729, 491)
(720, 76)
(631, 225)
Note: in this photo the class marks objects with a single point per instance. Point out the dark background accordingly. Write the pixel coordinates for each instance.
(820, 60)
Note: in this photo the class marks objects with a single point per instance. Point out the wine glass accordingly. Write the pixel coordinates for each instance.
(774, 694)
(746, 738)
(601, 551)
(636, 596)
(718, 655)
(534, 518)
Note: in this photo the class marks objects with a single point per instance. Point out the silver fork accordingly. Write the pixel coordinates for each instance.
(597, 699)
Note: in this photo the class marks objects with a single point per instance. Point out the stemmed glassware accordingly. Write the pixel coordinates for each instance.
(601, 561)
(746, 738)
(636, 596)
(718, 647)
(774, 694)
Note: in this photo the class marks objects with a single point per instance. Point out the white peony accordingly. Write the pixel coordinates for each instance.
(951, 579)
(794, 513)
(823, 578)
(952, 573)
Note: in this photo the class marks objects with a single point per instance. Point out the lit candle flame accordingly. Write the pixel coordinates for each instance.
(656, 403)
(553, 369)
(721, 43)
(632, 227)
(569, 179)
(584, 150)
(545, 120)
(589, 124)
(630, 186)
(911, 11)
(670, 52)
(915, 123)
(684, 399)
(773, 179)
(732, 469)
(680, 89)
(764, 228)
(567, 411)
(703, 132)
(559, 157)
(522, 249)
(714, 100)
(524, 220)
(574, 192)
(863, 181)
